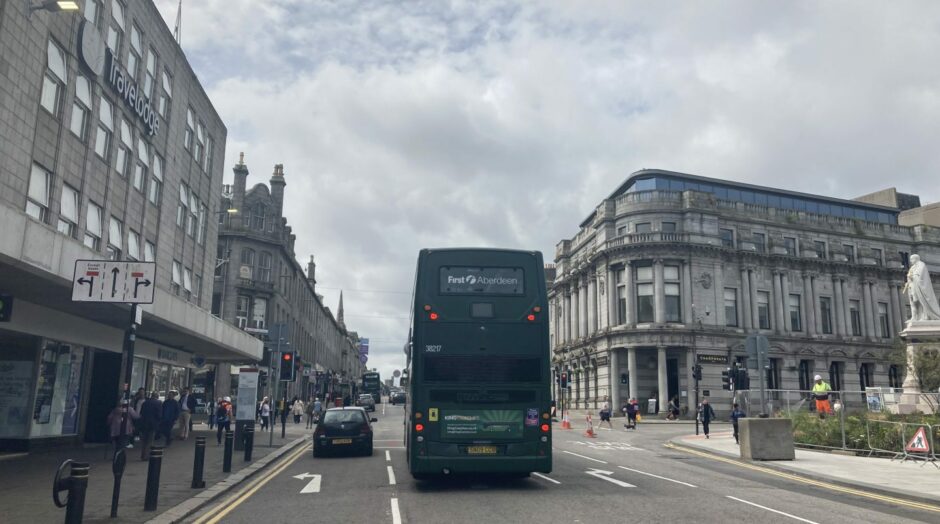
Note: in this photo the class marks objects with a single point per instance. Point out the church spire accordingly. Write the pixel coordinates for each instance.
(339, 312)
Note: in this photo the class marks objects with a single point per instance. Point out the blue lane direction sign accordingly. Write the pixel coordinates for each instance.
(114, 281)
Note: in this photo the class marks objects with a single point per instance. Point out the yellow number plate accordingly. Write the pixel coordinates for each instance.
(342, 441)
(482, 450)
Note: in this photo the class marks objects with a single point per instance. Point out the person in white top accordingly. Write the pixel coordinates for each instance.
(605, 413)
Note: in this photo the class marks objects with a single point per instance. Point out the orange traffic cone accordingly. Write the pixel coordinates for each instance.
(565, 423)
(590, 428)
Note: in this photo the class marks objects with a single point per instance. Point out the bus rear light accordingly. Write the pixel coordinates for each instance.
(433, 316)
(427, 307)
(543, 438)
(420, 438)
(531, 317)
(537, 309)
(419, 427)
(545, 428)
(545, 416)
(418, 415)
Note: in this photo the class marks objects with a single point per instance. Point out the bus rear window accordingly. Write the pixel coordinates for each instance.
(464, 280)
(485, 370)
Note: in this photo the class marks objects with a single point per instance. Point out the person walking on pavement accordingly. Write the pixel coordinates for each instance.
(136, 403)
(114, 422)
(631, 409)
(265, 413)
(297, 409)
(706, 413)
(309, 411)
(211, 419)
(821, 390)
(605, 413)
(736, 414)
(317, 410)
(149, 421)
(171, 412)
(187, 407)
(673, 409)
(223, 418)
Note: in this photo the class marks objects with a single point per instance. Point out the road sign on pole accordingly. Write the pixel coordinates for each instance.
(757, 347)
(114, 281)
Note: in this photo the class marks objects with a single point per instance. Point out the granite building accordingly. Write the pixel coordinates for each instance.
(673, 269)
(110, 149)
(259, 285)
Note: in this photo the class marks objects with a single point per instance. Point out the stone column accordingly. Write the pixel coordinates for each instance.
(720, 293)
(785, 290)
(839, 306)
(583, 301)
(614, 379)
(776, 304)
(569, 315)
(587, 384)
(868, 305)
(814, 287)
(611, 296)
(592, 304)
(661, 398)
(809, 310)
(752, 287)
(630, 293)
(846, 313)
(687, 293)
(632, 373)
(576, 311)
(659, 293)
(745, 300)
(893, 306)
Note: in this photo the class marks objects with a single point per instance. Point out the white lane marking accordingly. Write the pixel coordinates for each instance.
(582, 456)
(313, 486)
(539, 475)
(391, 476)
(389, 447)
(396, 515)
(656, 476)
(383, 408)
(602, 474)
(388, 456)
(772, 510)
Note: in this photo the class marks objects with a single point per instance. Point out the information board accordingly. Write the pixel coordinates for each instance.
(247, 394)
(482, 424)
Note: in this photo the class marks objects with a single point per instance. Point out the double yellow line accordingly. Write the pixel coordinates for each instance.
(811, 482)
(221, 509)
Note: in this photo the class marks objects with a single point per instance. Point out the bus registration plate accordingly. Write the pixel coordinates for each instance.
(482, 450)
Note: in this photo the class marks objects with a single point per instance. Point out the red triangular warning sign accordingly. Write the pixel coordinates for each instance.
(919, 443)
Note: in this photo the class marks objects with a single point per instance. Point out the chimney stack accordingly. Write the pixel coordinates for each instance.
(238, 190)
(312, 273)
(277, 190)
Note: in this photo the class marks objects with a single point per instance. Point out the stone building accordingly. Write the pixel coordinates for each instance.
(259, 284)
(672, 268)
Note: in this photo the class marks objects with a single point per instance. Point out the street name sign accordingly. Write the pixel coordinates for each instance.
(114, 281)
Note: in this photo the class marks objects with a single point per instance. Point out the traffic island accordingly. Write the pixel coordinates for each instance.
(766, 439)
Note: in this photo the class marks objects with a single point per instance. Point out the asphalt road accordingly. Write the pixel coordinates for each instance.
(618, 477)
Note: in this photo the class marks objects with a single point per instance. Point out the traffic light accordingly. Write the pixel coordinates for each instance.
(742, 381)
(564, 379)
(697, 372)
(726, 379)
(288, 373)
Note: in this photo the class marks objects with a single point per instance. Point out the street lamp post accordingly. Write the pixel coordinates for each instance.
(696, 369)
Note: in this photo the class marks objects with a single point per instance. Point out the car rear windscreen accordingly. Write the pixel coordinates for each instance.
(337, 417)
(481, 369)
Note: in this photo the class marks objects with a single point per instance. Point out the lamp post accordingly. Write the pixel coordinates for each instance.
(696, 369)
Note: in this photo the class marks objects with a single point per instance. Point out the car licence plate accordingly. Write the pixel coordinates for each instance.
(482, 450)
(342, 441)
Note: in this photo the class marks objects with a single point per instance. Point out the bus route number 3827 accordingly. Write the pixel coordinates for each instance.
(432, 349)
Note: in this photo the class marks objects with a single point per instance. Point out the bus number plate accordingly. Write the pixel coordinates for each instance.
(482, 450)
(432, 349)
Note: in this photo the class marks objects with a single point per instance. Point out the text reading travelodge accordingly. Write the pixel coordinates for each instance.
(491, 280)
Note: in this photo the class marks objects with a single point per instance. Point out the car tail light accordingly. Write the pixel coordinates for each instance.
(419, 427)
(319, 431)
(545, 428)
(365, 429)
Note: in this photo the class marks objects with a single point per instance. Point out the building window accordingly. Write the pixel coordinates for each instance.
(241, 311)
(193, 214)
(247, 263)
(116, 29)
(849, 251)
(796, 323)
(81, 108)
(763, 309)
(93, 227)
(621, 231)
(789, 244)
(203, 224)
(167, 95)
(259, 311)
(133, 244)
(150, 252)
(825, 314)
(124, 148)
(731, 307)
(644, 294)
(905, 259)
(91, 11)
(197, 286)
(181, 207)
(806, 367)
(855, 316)
(54, 80)
(156, 181)
(257, 217)
(190, 129)
(883, 320)
(37, 196)
(105, 129)
(187, 281)
(894, 376)
(200, 143)
(150, 72)
(68, 211)
(643, 227)
(820, 247)
(134, 53)
(760, 242)
(668, 227)
(264, 267)
(115, 239)
(878, 256)
(140, 168)
(835, 375)
(727, 238)
(177, 278)
(672, 294)
(210, 147)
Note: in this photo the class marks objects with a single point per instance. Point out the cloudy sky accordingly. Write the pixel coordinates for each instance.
(404, 125)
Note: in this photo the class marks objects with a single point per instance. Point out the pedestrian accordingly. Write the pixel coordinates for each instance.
(605, 413)
(297, 409)
(211, 418)
(308, 409)
(632, 409)
(317, 410)
(673, 408)
(265, 411)
(137, 402)
(821, 390)
(706, 414)
(149, 421)
(187, 407)
(114, 422)
(223, 418)
(170, 413)
(736, 414)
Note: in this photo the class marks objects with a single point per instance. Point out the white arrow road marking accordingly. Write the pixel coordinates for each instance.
(391, 476)
(656, 476)
(539, 475)
(602, 474)
(313, 486)
(582, 456)
(772, 510)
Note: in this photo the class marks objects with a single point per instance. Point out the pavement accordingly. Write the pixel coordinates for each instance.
(26, 479)
(905, 479)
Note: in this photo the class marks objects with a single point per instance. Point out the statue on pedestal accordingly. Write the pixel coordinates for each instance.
(920, 291)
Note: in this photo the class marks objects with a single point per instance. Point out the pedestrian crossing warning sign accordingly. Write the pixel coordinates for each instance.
(919, 443)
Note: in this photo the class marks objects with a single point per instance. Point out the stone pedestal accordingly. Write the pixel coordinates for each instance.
(766, 439)
(917, 334)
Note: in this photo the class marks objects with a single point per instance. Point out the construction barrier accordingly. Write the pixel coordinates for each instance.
(565, 422)
(590, 429)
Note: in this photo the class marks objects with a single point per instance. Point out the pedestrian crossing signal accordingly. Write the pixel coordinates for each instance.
(288, 373)
(726, 379)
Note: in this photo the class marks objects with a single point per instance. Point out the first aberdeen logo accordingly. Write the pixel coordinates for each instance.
(99, 59)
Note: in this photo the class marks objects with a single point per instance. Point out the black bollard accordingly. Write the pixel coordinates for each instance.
(117, 467)
(153, 479)
(227, 456)
(199, 461)
(76, 484)
(249, 440)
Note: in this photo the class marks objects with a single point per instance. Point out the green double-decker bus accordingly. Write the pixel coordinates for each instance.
(478, 364)
(372, 384)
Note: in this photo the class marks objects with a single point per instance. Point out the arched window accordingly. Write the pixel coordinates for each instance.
(264, 267)
(247, 263)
